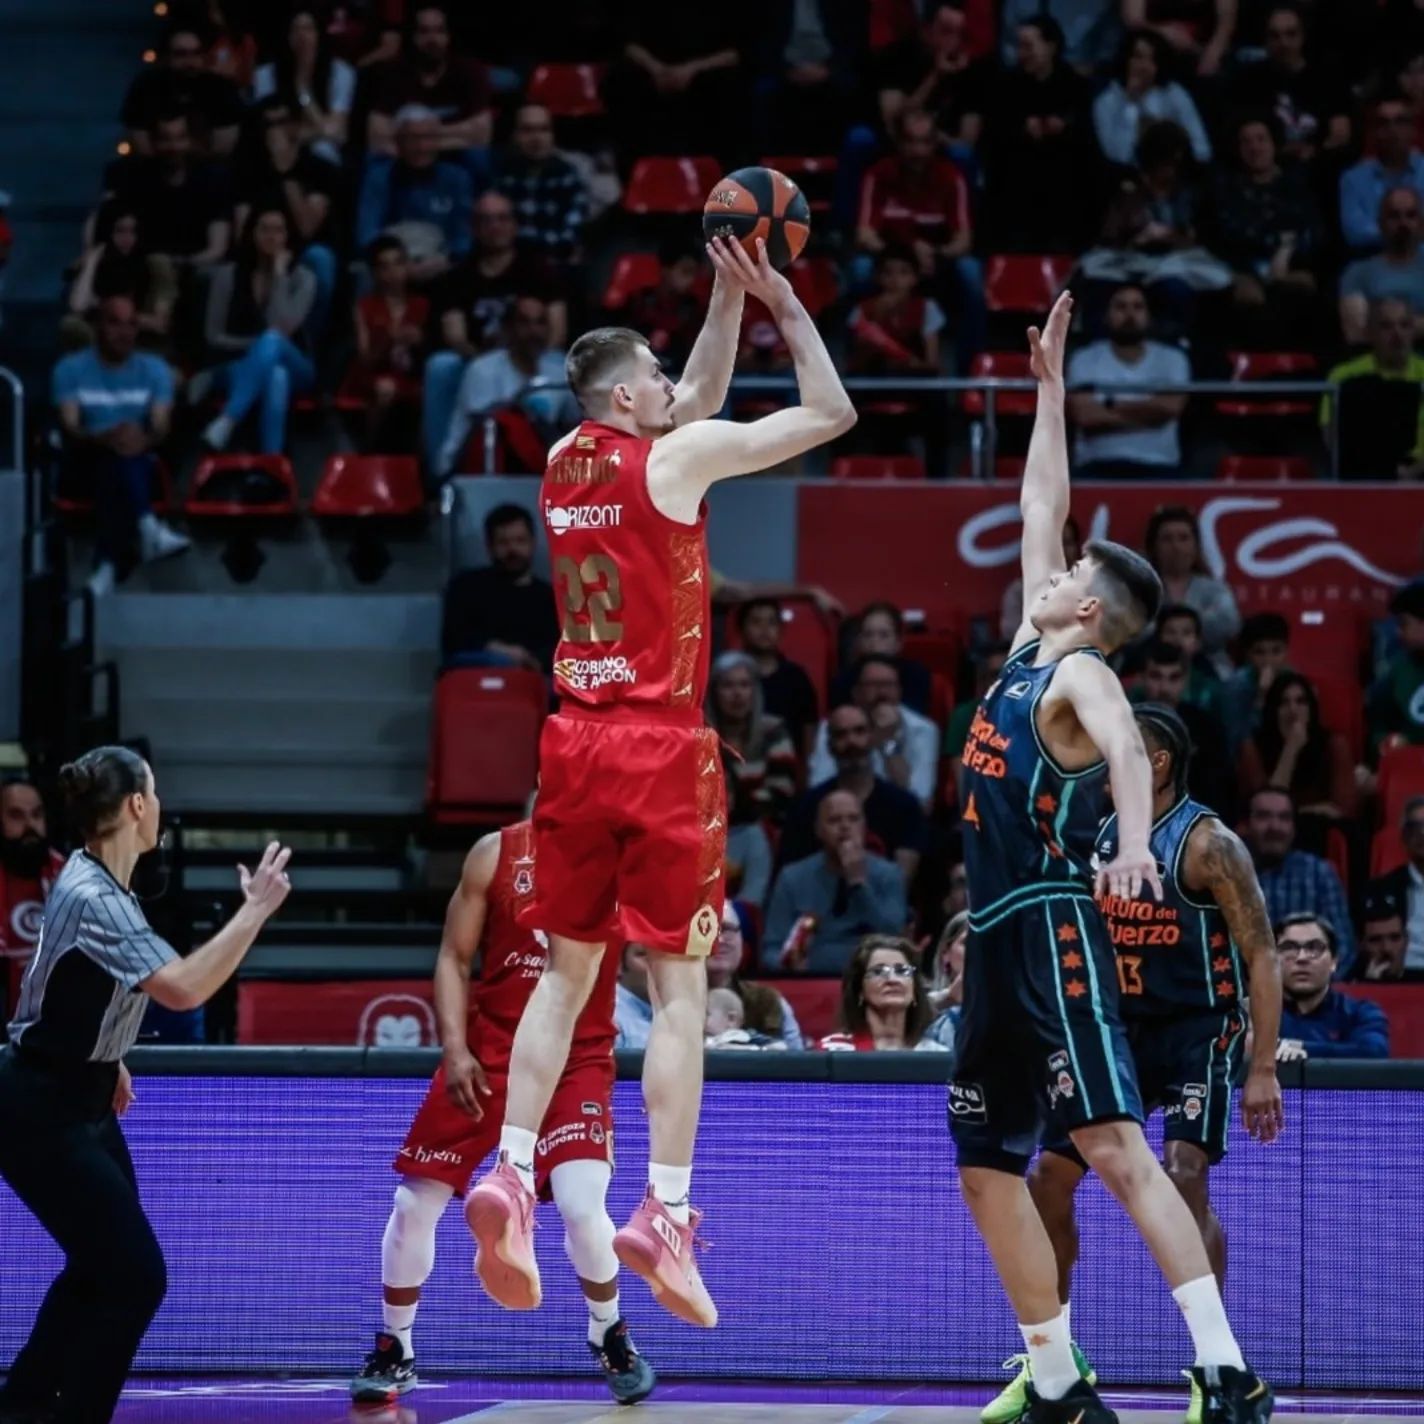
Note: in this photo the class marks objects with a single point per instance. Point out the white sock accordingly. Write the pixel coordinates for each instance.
(519, 1143)
(1205, 1315)
(602, 1317)
(1068, 1319)
(671, 1186)
(1050, 1357)
(400, 1322)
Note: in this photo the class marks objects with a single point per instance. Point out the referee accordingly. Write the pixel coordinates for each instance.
(63, 1083)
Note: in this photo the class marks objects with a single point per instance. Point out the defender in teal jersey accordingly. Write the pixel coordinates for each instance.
(1041, 1037)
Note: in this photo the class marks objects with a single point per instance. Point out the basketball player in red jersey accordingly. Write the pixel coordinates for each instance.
(630, 825)
(458, 1123)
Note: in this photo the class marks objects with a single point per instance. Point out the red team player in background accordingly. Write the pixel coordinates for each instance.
(630, 824)
(457, 1125)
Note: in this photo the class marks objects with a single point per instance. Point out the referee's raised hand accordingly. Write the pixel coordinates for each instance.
(265, 888)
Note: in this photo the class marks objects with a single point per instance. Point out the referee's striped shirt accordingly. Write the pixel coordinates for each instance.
(79, 1002)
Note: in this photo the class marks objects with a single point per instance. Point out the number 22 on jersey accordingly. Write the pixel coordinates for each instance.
(594, 595)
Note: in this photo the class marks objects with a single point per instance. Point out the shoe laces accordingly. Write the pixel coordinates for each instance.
(1015, 1363)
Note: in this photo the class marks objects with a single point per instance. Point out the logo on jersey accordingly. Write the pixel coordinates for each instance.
(589, 674)
(984, 748)
(966, 1103)
(524, 875)
(1019, 689)
(562, 519)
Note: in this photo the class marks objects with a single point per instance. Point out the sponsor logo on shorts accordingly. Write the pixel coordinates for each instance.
(1194, 1090)
(565, 1135)
(562, 519)
(589, 674)
(596, 1134)
(1192, 1108)
(592, 1110)
(669, 1233)
(1056, 1061)
(966, 1103)
(444, 1155)
(1019, 689)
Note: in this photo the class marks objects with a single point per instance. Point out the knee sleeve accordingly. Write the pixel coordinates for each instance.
(408, 1247)
(580, 1193)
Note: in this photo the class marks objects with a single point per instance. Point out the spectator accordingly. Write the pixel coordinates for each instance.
(1011, 609)
(1400, 895)
(1309, 104)
(880, 632)
(885, 1004)
(1381, 421)
(424, 201)
(905, 745)
(1292, 751)
(119, 264)
(1395, 705)
(632, 1010)
(765, 1009)
(947, 980)
(431, 77)
(1092, 30)
(115, 405)
(181, 83)
(897, 330)
(1181, 626)
(1396, 163)
(1142, 92)
(499, 379)
(1294, 881)
(1268, 230)
(257, 309)
(987, 666)
(670, 314)
(1126, 436)
(311, 83)
(549, 200)
(1039, 144)
(811, 60)
(183, 206)
(726, 1024)
(761, 768)
(1164, 681)
(1397, 271)
(1383, 947)
(1173, 545)
(1314, 1017)
(286, 176)
(821, 906)
(933, 70)
(391, 327)
(1200, 31)
(29, 865)
(786, 690)
(894, 821)
(1265, 641)
(502, 615)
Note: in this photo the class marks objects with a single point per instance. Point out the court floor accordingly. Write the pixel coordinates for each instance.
(254, 1401)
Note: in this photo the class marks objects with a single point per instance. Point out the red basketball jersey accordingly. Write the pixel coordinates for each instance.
(512, 960)
(633, 586)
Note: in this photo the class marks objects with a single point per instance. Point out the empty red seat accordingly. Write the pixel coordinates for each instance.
(1017, 282)
(366, 485)
(877, 467)
(484, 744)
(243, 487)
(1269, 366)
(815, 1002)
(633, 272)
(1341, 706)
(1401, 777)
(1001, 365)
(939, 651)
(815, 176)
(1386, 851)
(1329, 643)
(1264, 467)
(670, 185)
(567, 91)
(83, 504)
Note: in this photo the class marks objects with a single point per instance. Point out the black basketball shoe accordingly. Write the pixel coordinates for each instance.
(1231, 1396)
(1081, 1405)
(386, 1375)
(630, 1377)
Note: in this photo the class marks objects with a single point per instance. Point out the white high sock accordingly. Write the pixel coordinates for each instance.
(1050, 1357)
(519, 1143)
(602, 1317)
(1068, 1318)
(400, 1322)
(671, 1186)
(1205, 1315)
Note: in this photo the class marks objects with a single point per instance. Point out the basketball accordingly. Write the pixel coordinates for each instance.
(759, 202)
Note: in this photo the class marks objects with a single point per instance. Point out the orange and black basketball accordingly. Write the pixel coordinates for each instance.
(759, 203)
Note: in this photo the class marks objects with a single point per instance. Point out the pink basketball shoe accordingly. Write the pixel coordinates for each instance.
(500, 1215)
(661, 1251)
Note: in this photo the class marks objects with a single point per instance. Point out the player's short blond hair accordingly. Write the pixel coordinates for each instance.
(597, 360)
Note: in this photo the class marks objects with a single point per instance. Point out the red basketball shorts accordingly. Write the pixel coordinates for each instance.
(630, 833)
(446, 1145)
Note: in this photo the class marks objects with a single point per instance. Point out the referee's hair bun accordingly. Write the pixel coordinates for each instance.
(97, 784)
(76, 780)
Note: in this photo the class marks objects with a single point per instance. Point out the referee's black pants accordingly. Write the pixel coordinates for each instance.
(64, 1156)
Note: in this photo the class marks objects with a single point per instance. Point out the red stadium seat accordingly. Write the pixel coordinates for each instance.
(1341, 708)
(938, 651)
(1264, 467)
(1386, 851)
(877, 467)
(670, 185)
(567, 91)
(815, 176)
(360, 486)
(216, 485)
(816, 280)
(484, 745)
(1337, 852)
(815, 1002)
(633, 272)
(1020, 283)
(1329, 643)
(1001, 365)
(808, 637)
(1266, 366)
(1401, 776)
(84, 504)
